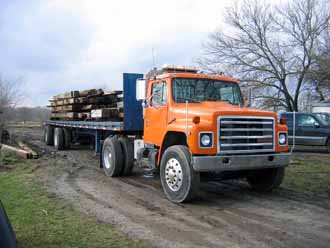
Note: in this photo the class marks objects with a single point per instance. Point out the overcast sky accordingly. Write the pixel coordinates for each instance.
(60, 45)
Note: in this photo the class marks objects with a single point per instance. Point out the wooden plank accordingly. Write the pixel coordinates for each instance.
(110, 99)
(68, 115)
(84, 115)
(113, 92)
(19, 152)
(104, 113)
(25, 147)
(67, 108)
(66, 95)
(120, 104)
(91, 92)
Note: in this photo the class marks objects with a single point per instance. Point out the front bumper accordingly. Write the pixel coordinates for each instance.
(220, 163)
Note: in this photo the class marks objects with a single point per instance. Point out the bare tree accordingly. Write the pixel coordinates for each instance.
(319, 74)
(10, 94)
(269, 47)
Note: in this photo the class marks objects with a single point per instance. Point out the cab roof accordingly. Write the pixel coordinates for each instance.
(195, 75)
(184, 72)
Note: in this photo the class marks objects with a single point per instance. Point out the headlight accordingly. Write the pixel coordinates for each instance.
(282, 139)
(206, 140)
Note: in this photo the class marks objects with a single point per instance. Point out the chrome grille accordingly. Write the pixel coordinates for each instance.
(245, 134)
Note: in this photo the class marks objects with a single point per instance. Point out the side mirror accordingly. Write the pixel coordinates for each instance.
(145, 104)
(316, 124)
(140, 89)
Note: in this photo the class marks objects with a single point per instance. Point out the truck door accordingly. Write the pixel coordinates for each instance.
(155, 119)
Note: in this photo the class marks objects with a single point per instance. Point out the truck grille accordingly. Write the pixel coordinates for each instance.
(246, 134)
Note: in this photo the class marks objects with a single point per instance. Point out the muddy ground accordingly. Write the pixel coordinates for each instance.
(225, 214)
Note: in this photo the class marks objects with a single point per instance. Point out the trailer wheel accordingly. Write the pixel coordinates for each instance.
(112, 157)
(266, 180)
(180, 182)
(128, 152)
(49, 135)
(67, 138)
(59, 139)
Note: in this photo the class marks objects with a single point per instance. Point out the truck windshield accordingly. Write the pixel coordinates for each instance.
(199, 90)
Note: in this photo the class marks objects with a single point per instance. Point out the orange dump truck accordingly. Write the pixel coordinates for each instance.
(194, 127)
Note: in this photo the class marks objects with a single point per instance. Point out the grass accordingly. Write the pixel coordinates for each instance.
(8, 160)
(309, 174)
(41, 220)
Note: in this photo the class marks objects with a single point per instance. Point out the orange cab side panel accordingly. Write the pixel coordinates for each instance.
(155, 119)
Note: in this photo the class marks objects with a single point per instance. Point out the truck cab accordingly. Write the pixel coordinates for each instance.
(197, 126)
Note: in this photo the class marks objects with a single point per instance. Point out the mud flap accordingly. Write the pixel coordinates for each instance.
(101, 154)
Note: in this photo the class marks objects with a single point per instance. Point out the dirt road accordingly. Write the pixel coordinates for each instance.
(225, 215)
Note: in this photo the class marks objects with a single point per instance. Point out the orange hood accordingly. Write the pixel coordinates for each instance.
(208, 109)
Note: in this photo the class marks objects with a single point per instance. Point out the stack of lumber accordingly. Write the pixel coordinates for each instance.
(87, 105)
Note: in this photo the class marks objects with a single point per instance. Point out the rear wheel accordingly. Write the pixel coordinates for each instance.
(49, 135)
(180, 182)
(266, 180)
(128, 152)
(112, 157)
(67, 137)
(59, 139)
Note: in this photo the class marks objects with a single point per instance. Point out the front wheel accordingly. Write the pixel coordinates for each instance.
(179, 181)
(112, 157)
(265, 180)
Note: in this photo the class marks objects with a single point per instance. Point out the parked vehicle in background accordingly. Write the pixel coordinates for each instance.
(310, 129)
(192, 126)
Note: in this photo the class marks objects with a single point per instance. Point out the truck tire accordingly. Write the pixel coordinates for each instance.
(59, 139)
(265, 180)
(49, 135)
(179, 181)
(67, 138)
(127, 146)
(112, 157)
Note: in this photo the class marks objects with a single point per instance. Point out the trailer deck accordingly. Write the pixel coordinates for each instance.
(94, 125)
